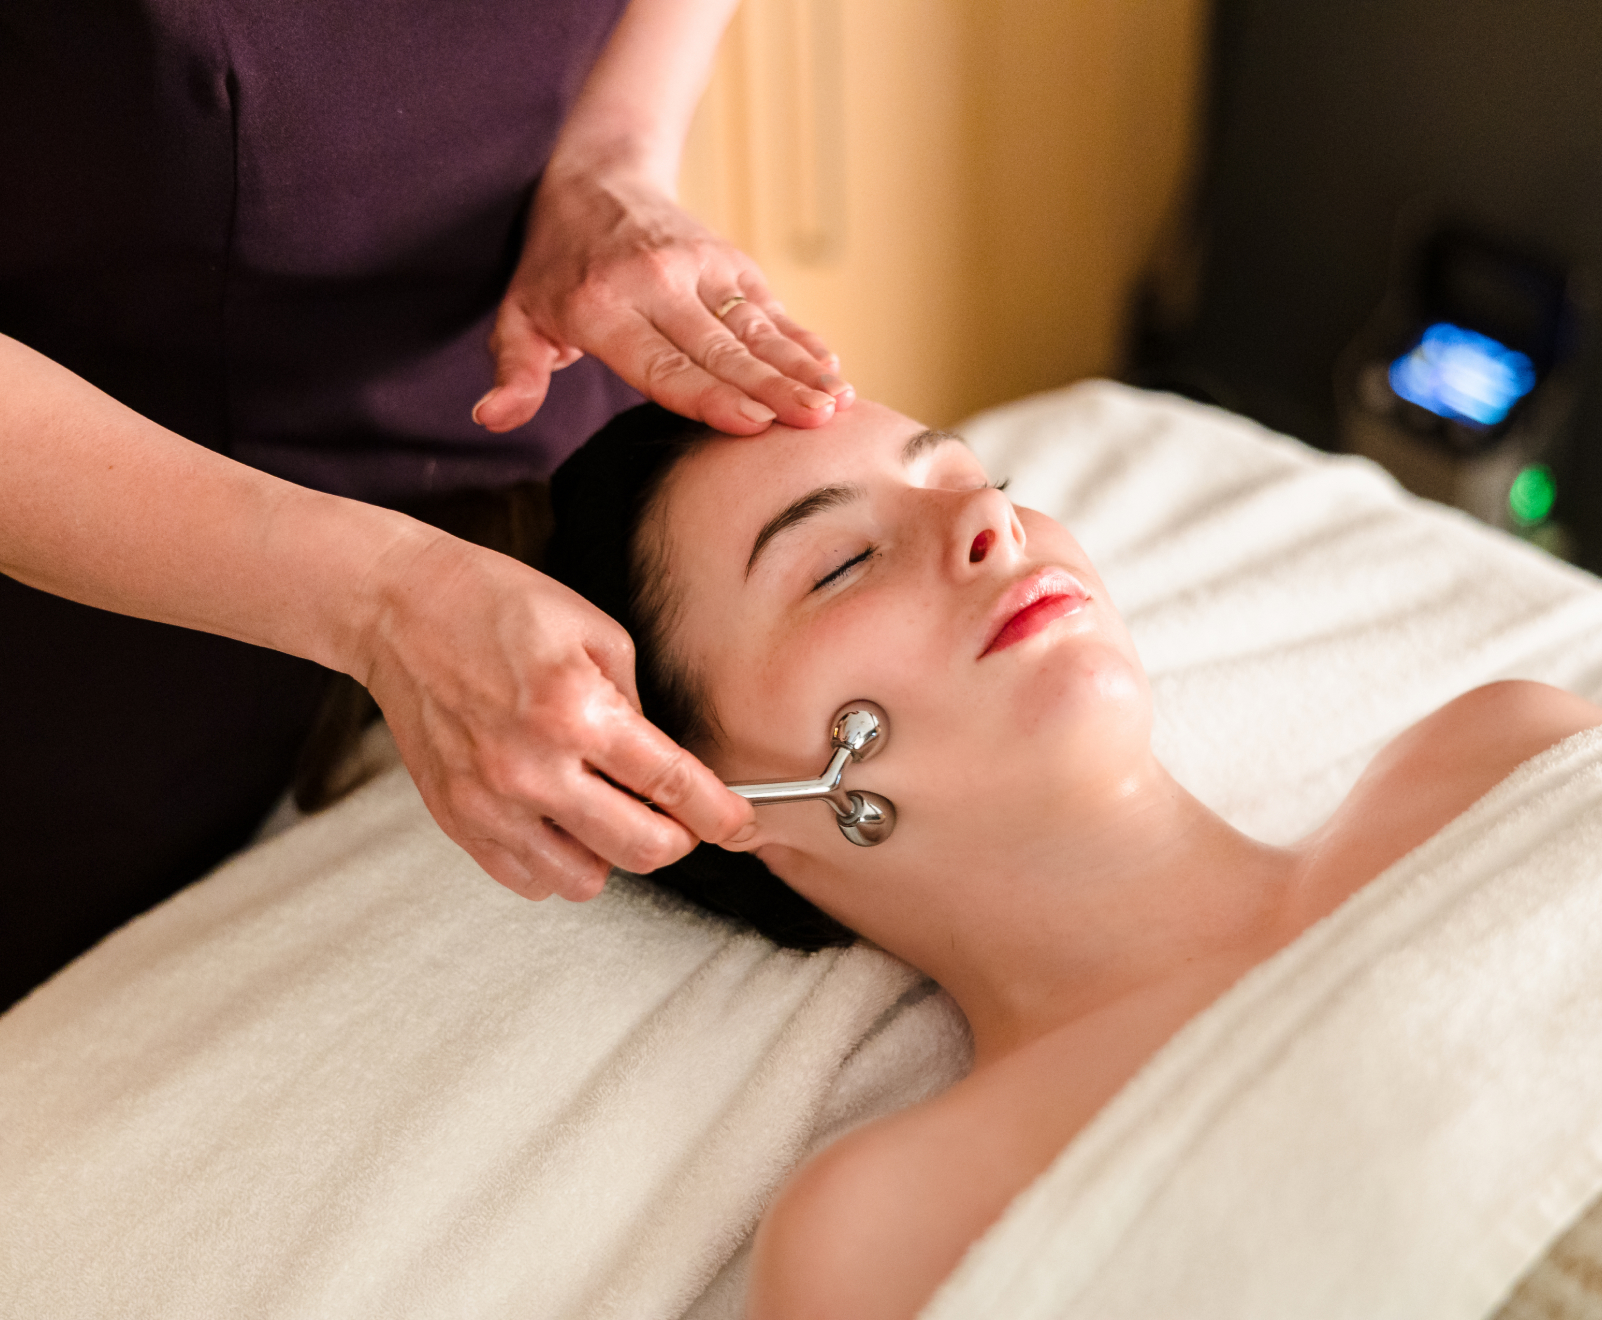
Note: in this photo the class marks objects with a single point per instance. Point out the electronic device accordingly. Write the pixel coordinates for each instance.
(1462, 384)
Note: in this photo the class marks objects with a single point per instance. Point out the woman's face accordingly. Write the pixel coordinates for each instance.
(871, 559)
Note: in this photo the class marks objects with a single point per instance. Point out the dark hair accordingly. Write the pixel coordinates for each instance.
(601, 499)
(602, 494)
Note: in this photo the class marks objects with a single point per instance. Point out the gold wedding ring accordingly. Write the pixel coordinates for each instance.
(728, 305)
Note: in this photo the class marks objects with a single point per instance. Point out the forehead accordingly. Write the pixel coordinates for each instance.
(740, 482)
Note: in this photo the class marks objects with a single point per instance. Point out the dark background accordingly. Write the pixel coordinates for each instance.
(1332, 122)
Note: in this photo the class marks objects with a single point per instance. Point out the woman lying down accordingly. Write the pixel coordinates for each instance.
(1075, 901)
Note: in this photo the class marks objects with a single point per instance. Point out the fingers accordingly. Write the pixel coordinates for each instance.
(752, 287)
(757, 293)
(748, 334)
(549, 861)
(598, 826)
(749, 317)
(641, 757)
(511, 701)
(614, 657)
(771, 337)
(651, 362)
(614, 267)
(813, 344)
(541, 820)
(746, 351)
(524, 361)
(694, 365)
(624, 829)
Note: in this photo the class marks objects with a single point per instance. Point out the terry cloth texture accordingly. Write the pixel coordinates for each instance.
(1393, 1117)
(347, 1075)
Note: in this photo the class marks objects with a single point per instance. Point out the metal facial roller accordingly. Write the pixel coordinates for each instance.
(858, 732)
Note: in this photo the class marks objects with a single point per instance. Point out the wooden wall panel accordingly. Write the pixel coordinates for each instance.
(960, 194)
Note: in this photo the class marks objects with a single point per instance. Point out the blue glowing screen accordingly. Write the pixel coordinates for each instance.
(1463, 375)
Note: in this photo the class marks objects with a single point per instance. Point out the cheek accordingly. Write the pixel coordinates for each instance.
(778, 693)
(896, 645)
(1018, 727)
(1012, 738)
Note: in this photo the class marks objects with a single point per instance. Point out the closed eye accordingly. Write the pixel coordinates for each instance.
(844, 568)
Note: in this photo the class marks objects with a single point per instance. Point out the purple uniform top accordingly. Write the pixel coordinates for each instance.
(282, 229)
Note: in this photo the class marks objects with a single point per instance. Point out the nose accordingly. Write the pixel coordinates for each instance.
(986, 527)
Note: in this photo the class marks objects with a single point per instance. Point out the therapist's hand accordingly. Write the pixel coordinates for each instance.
(512, 700)
(611, 266)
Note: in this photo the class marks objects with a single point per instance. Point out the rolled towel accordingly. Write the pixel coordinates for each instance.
(1392, 1117)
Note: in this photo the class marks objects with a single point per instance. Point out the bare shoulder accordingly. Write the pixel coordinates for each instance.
(815, 1246)
(1485, 734)
(1441, 766)
(869, 1227)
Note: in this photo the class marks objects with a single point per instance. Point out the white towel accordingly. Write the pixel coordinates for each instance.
(347, 1075)
(1295, 610)
(1392, 1117)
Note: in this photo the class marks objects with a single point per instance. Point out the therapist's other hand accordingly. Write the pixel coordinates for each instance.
(612, 266)
(512, 701)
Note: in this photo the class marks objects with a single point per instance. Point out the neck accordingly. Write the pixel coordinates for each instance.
(1121, 895)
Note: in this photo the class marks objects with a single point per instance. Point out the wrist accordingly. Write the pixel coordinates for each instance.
(389, 573)
(621, 155)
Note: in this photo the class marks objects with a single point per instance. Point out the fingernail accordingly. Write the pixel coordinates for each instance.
(833, 384)
(479, 405)
(815, 400)
(753, 411)
(745, 835)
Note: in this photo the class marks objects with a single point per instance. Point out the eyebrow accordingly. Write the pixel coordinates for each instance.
(926, 440)
(809, 505)
(825, 498)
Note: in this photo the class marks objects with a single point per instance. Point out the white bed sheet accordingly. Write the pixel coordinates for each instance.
(348, 1075)
(1295, 610)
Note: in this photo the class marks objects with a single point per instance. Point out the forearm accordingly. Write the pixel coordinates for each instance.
(636, 106)
(105, 507)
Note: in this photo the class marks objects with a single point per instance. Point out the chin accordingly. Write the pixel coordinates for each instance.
(1089, 685)
(1065, 727)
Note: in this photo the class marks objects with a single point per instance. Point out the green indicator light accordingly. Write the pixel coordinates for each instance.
(1532, 494)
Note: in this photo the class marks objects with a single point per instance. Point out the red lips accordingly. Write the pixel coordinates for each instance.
(1030, 605)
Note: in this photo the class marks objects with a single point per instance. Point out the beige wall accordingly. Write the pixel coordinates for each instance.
(959, 194)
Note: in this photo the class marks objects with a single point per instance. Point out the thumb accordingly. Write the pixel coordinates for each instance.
(524, 361)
